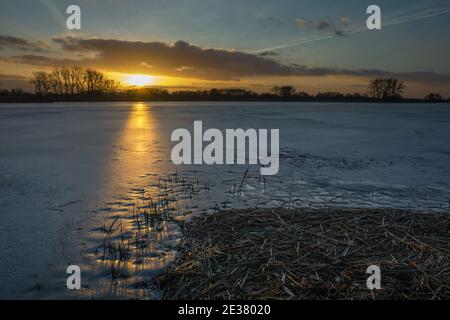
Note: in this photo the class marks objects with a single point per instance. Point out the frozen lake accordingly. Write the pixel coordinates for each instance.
(67, 169)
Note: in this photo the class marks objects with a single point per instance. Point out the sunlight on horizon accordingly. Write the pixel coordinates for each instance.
(139, 80)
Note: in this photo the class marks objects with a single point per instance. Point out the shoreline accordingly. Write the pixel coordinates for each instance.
(41, 101)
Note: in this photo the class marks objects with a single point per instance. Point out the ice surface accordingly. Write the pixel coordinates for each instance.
(67, 169)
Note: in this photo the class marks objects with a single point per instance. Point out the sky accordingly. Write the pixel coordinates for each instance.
(319, 45)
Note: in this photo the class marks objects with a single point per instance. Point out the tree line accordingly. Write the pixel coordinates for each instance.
(70, 81)
(378, 90)
(76, 83)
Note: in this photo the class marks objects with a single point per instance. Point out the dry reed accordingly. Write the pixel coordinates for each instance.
(311, 254)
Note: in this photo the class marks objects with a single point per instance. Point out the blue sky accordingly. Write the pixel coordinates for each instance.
(414, 39)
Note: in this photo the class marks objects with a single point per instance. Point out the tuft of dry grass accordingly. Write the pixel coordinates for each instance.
(311, 254)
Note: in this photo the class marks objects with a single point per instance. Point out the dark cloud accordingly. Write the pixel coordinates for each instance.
(343, 23)
(12, 77)
(182, 59)
(268, 54)
(339, 33)
(22, 44)
(322, 25)
(11, 81)
(40, 60)
(319, 24)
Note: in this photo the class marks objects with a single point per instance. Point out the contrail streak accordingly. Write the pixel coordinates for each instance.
(395, 21)
(55, 12)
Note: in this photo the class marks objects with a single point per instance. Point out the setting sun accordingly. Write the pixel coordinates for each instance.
(139, 80)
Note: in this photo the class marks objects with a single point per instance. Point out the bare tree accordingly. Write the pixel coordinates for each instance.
(78, 79)
(111, 86)
(57, 81)
(386, 89)
(73, 81)
(42, 83)
(436, 97)
(283, 91)
(94, 81)
(69, 80)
